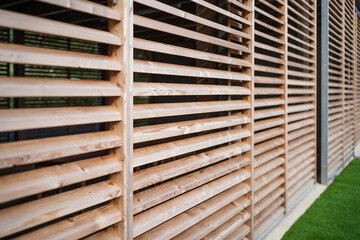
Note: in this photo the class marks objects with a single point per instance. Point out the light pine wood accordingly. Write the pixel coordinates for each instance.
(51, 208)
(166, 150)
(147, 220)
(123, 78)
(80, 226)
(16, 53)
(87, 7)
(39, 150)
(30, 118)
(42, 25)
(43, 87)
(40, 180)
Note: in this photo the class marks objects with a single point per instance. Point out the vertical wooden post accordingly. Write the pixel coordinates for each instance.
(250, 113)
(124, 103)
(284, 77)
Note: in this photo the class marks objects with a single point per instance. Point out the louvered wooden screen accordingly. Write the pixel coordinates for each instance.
(192, 112)
(349, 80)
(341, 84)
(167, 119)
(335, 85)
(301, 114)
(269, 116)
(62, 173)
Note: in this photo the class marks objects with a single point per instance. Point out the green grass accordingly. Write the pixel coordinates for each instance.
(336, 213)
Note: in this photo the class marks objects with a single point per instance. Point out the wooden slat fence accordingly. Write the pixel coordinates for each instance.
(152, 119)
(270, 113)
(341, 84)
(301, 99)
(67, 154)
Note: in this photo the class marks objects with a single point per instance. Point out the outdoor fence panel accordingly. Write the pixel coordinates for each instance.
(193, 119)
(270, 113)
(62, 171)
(349, 80)
(301, 98)
(335, 85)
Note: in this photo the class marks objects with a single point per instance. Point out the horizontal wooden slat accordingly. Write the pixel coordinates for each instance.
(266, 146)
(268, 134)
(230, 227)
(266, 113)
(268, 166)
(50, 208)
(30, 118)
(172, 29)
(211, 223)
(186, 52)
(269, 123)
(267, 189)
(143, 66)
(166, 150)
(86, 7)
(40, 180)
(107, 234)
(159, 214)
(153, 175)
(161, 193)
(142, 111)
(266, 102)
(39, 150)
(188, 219)
(173, 89)
(42, 25)
(222, 11)
(45, 87)
(239, 233)
(81, 226)
(187, 15)
(268, 200)
(267, 178)
(267, 156)
(20, 54)
(159, 131)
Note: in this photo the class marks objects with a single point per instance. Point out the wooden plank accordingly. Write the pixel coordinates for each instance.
(20, 54)
(142, 66)
(222, 11)
(42, 25)
(214, 221)
(142, 111)
(159, 131)
(45, 87)
(86, 7)
(80, 226)
(30, 118)
(50, 208)
(186, 52)
(39, 150)
(174, 89)
(159, 173)
(107, 234)
(161, 193)
(187, 15)
(166, 150)
(28, 183)
(161, 213)
(172, 29)
(124, 105)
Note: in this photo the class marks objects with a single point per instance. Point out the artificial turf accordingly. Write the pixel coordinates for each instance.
(336, 213)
